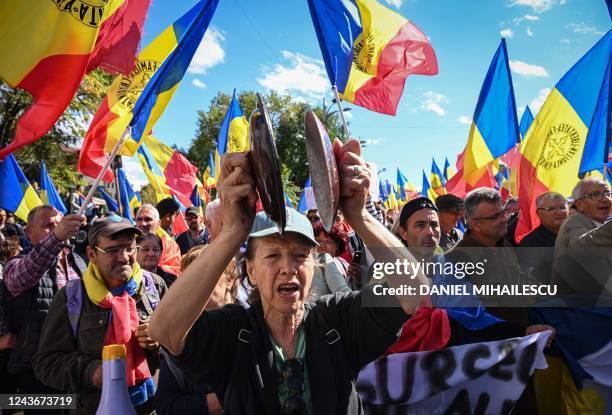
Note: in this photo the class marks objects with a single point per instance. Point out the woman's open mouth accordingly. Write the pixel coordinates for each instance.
(289, 290)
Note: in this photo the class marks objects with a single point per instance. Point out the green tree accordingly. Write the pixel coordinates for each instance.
(147, 194)
(287, 118)
(57, 147)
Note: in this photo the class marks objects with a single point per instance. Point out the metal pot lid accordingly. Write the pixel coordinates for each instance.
(323, 169)
(266, 165)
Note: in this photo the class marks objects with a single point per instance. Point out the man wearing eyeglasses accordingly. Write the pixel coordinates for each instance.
(582, 260)
(111, 305)
(484, 242)
(536, 250)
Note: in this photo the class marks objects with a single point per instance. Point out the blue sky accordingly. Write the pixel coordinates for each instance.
(265, 44)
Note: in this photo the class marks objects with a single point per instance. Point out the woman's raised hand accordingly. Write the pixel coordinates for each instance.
(237, 193)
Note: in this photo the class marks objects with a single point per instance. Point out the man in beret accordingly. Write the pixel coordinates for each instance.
(450, 210)
(112, 304)
(419, 227)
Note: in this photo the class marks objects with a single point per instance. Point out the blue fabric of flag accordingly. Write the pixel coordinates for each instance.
(110, 202)
(47, 186)
(191, 28)
(337, 24)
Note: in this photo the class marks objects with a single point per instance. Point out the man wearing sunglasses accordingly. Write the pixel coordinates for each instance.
(582, 260)
(111, 305)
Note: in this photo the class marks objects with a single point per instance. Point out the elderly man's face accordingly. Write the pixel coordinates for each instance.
(146, 221)
(43, 223)
(2, 218)
(552, 213)
(595, 202)
(489, 221)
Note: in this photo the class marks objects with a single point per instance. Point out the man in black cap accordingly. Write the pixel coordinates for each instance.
(197, 234)
(450, 210)
(112, 304)
(419, 227)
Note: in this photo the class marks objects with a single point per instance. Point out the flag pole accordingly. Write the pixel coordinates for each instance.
(110, 159)
(344, 124)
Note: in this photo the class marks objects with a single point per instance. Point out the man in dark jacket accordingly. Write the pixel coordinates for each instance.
(32, 280)
(196, 235)
(484, 242)
(450, 210)
(114, 289)
(536, 250)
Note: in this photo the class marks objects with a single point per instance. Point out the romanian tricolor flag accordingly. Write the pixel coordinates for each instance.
(369, 51)
(307, 200)
(438, 182)
(233, 136)
(16, 193)
(195, 197)
(494, 129)
(426, 190)
(552, 152)
(392, 203)
(406, 191)
(115, 112)
(449, 172)
(168, 171)
(48, 193)
(210, 174)
(47, 47)
(526, 121)
(127, 196)
(159, 91)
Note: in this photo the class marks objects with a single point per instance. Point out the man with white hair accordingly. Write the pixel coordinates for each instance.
(214, 219)
(537, 247)
(147, 220)
(583, 259)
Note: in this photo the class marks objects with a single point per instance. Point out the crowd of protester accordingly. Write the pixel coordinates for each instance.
(59, 307)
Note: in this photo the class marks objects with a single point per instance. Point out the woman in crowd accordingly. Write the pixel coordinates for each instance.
(149, 253)
(262, 359)
(330, 275)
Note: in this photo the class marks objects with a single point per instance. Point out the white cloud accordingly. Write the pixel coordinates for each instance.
(529, 32)
(209, 53)
(529, 17)
(583, 28)
(299, 74)
(373, 141)
(538, 6)
(198, 84)
(538, 101)
(395, 3)
(134, 172)
(528, 70)
(507, 33)
(566, 41)
(463, 119)
(433, 102)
